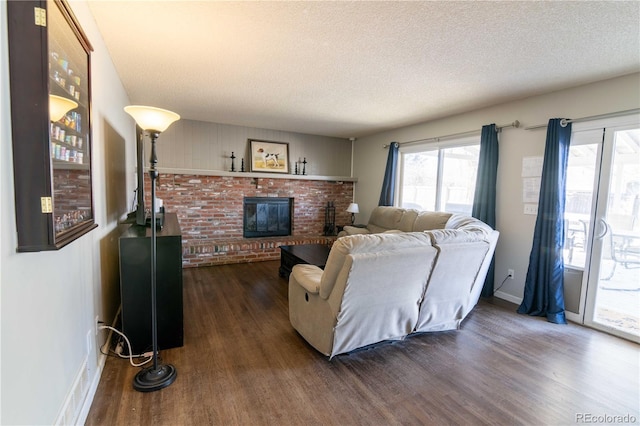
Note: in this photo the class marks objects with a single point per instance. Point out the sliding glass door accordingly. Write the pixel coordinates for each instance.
(602, 227)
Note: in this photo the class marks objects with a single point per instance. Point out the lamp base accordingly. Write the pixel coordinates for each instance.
(153, 379)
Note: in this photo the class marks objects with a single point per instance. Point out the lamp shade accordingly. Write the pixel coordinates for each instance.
(353, 208)
(151, 118)
(59, 106)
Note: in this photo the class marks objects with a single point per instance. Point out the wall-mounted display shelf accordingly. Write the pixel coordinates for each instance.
(49, 57)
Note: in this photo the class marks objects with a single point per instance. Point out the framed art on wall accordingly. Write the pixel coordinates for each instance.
(268, 156)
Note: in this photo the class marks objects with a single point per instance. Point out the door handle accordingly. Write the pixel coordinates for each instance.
(605, 229)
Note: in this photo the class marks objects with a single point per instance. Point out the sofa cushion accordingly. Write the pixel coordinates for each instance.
(449, 236)
(384, 218)
(381, 296)
(430, 220)
(369, 243)
(448, 296)
(352, 230)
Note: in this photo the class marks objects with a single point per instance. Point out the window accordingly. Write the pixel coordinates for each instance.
(439, 177)
(581, 174)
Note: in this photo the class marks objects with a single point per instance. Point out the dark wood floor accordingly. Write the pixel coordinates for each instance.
(243, 364)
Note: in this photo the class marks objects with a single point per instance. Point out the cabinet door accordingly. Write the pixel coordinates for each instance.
(49, 55)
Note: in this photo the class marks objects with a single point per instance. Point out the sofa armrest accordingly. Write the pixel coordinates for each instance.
(354, 230)
(307, 277)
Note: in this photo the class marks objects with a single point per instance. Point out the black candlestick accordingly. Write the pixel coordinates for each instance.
(304, 166)
(233, 166)
(242, 165)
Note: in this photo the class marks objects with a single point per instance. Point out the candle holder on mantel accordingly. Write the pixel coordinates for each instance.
(296, 169)
(242, 165)
(304, 166)
(233, 166)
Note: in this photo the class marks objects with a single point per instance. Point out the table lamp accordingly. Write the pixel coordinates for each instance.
(353, 209)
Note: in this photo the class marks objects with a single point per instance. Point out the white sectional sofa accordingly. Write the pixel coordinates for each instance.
(386, 285)
(395, 219)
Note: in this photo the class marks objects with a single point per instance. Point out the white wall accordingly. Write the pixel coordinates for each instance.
(49, 299)
(516, 228)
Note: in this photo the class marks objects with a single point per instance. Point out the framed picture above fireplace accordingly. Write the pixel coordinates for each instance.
(269, 156)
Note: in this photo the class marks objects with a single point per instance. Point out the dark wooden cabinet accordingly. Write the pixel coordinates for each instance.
(312, 254)
(135, 285)
(49, 54)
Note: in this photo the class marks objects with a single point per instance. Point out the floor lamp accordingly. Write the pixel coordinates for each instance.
(154, 121)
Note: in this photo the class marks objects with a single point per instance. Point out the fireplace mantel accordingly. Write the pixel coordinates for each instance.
(203, 172)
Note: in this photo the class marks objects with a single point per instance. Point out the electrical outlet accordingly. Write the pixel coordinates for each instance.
(510, 273)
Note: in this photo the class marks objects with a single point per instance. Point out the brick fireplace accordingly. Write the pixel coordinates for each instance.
(210, 212)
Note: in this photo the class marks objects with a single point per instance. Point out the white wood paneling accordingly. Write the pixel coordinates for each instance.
(200, 145)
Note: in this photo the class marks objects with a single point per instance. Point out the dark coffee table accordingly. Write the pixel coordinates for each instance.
(312, 254)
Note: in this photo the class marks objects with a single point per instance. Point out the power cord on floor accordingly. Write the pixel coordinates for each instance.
(148, 355)
(501, 284)
(115, 353)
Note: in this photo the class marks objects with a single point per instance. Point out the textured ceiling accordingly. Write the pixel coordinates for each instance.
(349, 69)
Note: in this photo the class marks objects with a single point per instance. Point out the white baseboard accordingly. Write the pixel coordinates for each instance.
(571, 316)
(75, 409)
(77, 394)
(102, 359)
(88, 400)
(508, 297)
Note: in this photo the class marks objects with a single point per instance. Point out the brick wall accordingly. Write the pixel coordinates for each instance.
(209, 209)
(71, 196)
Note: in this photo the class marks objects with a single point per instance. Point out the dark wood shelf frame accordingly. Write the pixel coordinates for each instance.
(50, 213)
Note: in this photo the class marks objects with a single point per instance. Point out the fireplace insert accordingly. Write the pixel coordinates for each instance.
(267, 216)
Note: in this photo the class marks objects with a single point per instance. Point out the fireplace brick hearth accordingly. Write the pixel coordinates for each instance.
(209, 209)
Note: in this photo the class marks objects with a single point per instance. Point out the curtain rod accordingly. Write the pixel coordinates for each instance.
(515, 124)
(565, 121)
